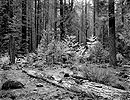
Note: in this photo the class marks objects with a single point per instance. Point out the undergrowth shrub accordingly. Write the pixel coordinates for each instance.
(103, 76)
(96, 53)
(55, 50)
(4, 59)
(99, 75)
(72, 51)
(59, 50)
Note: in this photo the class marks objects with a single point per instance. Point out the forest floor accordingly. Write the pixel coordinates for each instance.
(38, 89)
(32, 91)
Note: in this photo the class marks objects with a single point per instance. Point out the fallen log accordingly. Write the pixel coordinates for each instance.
(87, 87)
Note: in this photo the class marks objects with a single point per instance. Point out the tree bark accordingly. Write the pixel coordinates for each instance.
(112, 35)
(55, 17)
(86, 22)
(24, 28)
(72, 4)
(123, 11)
(61, 23)
(38, 22)
(44, 15)
(33, 25)
(12, 49)
(30, 32)
(36, 31)
(46, 4)
(94, 17)
(11, 37)
(82, 21)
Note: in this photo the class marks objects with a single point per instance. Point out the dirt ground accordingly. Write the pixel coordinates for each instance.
(32, 91)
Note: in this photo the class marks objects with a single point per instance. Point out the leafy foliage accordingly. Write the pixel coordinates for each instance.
(4, 60)
(8, 26)
(97, 53)
(57, 48)
(98, 75)
(73, 51)
(103, 76)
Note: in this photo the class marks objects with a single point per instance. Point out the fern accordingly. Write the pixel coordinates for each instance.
(99, 75)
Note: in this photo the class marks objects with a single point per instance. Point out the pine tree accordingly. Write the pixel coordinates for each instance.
(24, 47)
(62, 23)
(86, 22)
(94, 16)
(112, 35)
(11, 37)
(55, 17)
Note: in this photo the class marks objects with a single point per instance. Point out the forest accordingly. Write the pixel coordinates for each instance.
(64, 49)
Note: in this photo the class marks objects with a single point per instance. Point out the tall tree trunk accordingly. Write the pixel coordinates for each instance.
(78, 39)
(123, 11)
(86, 19)
(94, 17)
(10, 8)
(12, 49)
(48, 20)
(27, 25)
(38, 22)
(30, 32)
(69, 3)
(33, 25)
(44, 15)
(51, 8)
(72, 4)
(82, 21)
(24, 28)
(36, 28)
(112, 36)
(11, 37)
(55, 18)
(103, 33)
(46, 4)
(61, 23)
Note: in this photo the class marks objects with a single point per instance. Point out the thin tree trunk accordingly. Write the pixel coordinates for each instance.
(51, 7)
(69, 3)
(12, 49)
(122, 13)
(65, 5)
(28, 25)
(48, 20)
(94, 18)
(86, 22)
(103, 34)
(33, 23)
(82, 22)
(38, 22)
(61, 23)
(55, 17)
(112, 36)
(27, 28)
(36, 31)
(72, 4)
(30, 32)
(11, 37)
(78, 36)
(44, 14)
(24, 28)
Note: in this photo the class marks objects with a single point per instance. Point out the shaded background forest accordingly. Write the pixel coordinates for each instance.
(25, 25)
(80, 46)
